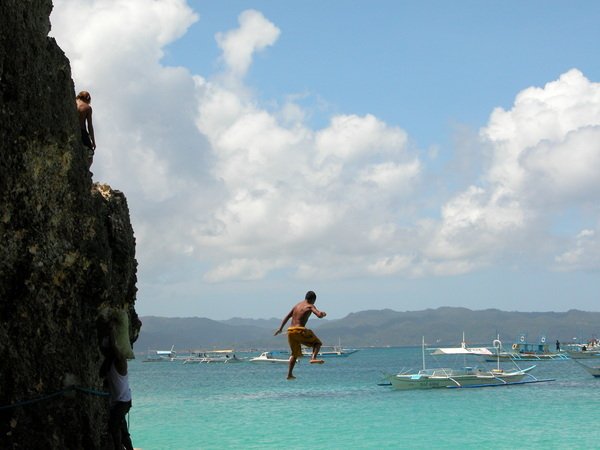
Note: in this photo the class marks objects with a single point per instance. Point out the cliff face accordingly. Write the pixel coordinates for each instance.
(67, 248)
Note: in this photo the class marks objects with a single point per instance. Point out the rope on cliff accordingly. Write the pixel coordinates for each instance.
(55, 394)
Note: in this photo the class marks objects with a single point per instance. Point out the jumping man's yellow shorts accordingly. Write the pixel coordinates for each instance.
(298, 336)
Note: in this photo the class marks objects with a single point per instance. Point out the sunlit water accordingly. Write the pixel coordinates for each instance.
(339, 405)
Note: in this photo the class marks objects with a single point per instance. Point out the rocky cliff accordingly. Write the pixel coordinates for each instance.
(67, 248)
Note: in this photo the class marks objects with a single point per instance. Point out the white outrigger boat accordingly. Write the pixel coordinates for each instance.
(465, 377)
(161, 355)
(269, 357)
(213, 356)
(330, 350)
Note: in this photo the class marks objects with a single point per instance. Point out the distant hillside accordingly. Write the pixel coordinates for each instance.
(201, 333)
(443, 326)
(271, 324)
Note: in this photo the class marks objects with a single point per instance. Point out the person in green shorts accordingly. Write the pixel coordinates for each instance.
(298, 334)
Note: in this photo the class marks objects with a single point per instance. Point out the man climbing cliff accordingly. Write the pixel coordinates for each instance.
(84, 111)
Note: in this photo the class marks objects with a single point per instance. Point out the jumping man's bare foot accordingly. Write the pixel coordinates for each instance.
(317, 361)
(291, 377)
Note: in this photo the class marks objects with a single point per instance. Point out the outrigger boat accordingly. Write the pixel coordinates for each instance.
(584, 351)
(466, 377)
(213, 356)
(268, 357)
(527, 351)
(330, 350)
(161, 355)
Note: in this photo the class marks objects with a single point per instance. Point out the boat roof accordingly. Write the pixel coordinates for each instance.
(462, 351)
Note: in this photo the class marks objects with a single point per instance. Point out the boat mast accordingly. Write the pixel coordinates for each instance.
(498, 346)
(423, 351)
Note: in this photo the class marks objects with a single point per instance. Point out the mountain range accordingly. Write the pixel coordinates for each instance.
(374, 328)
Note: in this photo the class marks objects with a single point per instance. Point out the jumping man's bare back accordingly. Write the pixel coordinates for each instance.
(300, 314)
(302, 311)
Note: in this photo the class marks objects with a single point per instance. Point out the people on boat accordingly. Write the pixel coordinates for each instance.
(298, 334)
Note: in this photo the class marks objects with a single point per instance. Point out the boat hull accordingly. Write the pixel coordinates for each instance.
(160, 359)
(584, 355)
(528, 357)
(593, 371)
(268, 358)
(269, 361)
(331, 352)
(212, 360)
(448, 378)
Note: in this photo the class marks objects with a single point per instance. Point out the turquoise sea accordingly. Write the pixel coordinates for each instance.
(339, 405)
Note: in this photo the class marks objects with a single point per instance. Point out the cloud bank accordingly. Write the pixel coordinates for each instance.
(544, 156)
(244, 191)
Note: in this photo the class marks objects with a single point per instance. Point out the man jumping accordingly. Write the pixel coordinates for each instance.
(298, 334)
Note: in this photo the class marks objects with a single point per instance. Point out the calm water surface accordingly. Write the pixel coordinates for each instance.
(339, 405)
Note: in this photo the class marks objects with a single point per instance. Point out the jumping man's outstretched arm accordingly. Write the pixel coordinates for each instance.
(283, 322)
(316, 312)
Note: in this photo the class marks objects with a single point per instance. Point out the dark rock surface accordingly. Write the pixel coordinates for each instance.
(67, 248)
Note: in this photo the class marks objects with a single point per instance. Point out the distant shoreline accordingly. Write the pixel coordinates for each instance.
(375, 329)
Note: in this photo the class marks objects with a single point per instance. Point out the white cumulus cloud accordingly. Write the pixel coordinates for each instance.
(544, 160)
(239, 45)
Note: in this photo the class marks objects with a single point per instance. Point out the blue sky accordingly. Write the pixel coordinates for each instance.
(402, 155)
(424, 65)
